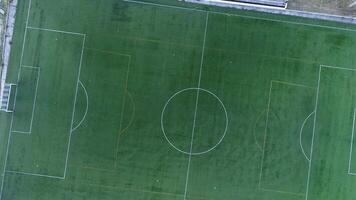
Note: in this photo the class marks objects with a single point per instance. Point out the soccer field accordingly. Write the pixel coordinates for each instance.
(164, 100)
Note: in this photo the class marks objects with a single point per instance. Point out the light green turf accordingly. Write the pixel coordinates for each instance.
(97, 93)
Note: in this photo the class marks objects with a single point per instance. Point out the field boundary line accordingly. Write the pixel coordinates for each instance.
(300, 135)
(16, 90)
(242, 16)
(34, 174)
(87, 106)
(54, 30)
(352, 141)
(34, 100)
(196, 107)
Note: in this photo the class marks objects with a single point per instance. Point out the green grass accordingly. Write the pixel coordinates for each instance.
(89, 104)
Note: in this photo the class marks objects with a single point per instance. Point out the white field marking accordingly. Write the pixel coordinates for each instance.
(87, 106)
(125, 91)
(313, 136)
(267, 118)
(352, 141)
(22, 132)
(11, 123)
(126, 82)
(133, 111)
(127, 77)
(75, 100)
(122, 109)
(293, 84)
(109, 52)
(196, 108)
(28, 66)
(34, 174)
(300, 136)
(254, 130)
(282, 192)
(12, 115)
(75, 97)
(265, 135)
(341, 68)
(34, 100)
(316, 105)
(171, 143)
(54, 30)
(242, 16)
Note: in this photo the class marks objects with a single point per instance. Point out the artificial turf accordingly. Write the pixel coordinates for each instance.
(168, 100)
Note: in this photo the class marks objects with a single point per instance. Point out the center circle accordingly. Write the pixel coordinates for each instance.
(209, 106)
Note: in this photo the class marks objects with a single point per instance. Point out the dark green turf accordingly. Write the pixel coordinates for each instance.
(262, 69)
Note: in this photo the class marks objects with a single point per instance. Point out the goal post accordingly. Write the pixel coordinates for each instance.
(7, 93)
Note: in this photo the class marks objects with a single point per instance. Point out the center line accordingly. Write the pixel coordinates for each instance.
(196, 108)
